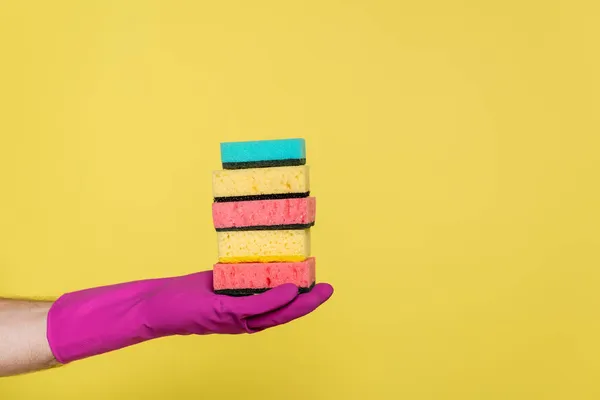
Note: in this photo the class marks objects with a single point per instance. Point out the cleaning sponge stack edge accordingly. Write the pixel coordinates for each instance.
(263, 214)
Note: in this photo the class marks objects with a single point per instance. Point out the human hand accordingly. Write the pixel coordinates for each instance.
(98, 320)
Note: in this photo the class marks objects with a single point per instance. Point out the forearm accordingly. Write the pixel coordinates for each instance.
(23, 343)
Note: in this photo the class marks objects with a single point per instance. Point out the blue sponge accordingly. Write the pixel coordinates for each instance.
(263, 153)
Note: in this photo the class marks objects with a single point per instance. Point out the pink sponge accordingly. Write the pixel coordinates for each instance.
(264, 214)
(250, 278)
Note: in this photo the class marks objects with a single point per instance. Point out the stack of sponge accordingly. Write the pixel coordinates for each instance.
(263, 214)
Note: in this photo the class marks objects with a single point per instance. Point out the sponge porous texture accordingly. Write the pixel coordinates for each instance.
(263, 275)
(263, 150)
(263, 245)
(272, 181)
(264, 214)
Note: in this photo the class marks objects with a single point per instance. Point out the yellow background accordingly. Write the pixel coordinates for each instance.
(453, 148)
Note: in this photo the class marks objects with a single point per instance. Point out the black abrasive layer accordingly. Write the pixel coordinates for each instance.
(264, 164)
(249, 292)
(275, 196)
(266, 227)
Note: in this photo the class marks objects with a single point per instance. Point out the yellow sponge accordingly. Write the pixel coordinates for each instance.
(264, 246)
(271, 182)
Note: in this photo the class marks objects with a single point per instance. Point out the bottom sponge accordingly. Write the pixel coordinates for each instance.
(251, 278)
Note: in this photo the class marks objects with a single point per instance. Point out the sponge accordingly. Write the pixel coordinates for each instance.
(264, 214)
(263, 153)
(291, 245)
(252, 278)
(261, 183)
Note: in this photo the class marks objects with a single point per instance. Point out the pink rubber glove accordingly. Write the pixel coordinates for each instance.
(98, 320)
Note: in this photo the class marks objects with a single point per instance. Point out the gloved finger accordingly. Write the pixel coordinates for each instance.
(302, 305)
(270, 300)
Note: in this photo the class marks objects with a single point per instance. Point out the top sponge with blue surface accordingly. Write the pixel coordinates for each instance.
(263, 153)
